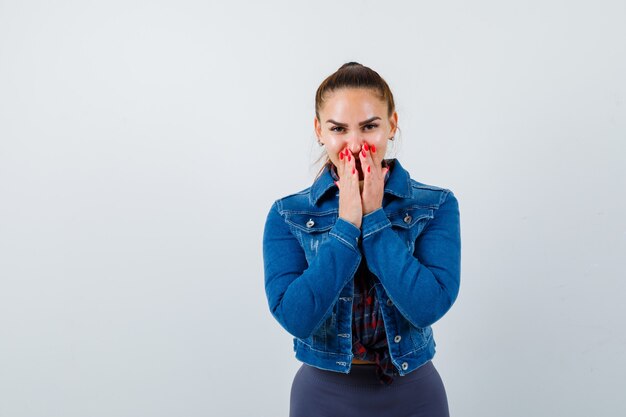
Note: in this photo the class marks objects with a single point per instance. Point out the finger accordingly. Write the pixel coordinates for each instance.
(347, 162)
(347, 169)
(376, 158)
(351, 175)
(340, 164)
(352, 165)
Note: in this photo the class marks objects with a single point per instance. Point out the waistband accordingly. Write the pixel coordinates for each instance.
(364, 375)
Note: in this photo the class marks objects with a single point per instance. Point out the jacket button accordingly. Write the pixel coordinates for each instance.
(389, 302)
(310, 223)
(407, 218)
(397, 339)
(405, 366)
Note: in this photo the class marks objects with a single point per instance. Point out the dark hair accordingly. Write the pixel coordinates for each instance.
(352, 75)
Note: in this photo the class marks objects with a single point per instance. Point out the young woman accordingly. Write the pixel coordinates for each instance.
(359, 265)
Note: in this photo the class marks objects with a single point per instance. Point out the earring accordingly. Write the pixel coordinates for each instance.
(320, 143)
(392, 138)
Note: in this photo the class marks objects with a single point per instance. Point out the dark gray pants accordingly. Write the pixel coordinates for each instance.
(320, 393)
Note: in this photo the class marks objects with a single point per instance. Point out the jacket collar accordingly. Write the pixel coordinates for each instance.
(397, 181)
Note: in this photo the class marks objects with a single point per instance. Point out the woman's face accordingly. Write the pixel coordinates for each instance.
(351, 117)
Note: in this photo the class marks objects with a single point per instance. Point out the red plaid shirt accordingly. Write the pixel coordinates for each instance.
(369, 339)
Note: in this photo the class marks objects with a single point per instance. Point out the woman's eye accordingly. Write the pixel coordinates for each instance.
(366, 127)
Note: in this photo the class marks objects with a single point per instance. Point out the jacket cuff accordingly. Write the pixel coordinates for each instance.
(347, 233)
(375, 221)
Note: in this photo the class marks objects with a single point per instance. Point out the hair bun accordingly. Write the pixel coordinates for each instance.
(350, 64)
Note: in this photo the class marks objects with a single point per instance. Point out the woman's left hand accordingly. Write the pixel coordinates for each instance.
(373, 179)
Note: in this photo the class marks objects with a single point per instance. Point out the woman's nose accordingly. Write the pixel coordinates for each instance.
(355, 145)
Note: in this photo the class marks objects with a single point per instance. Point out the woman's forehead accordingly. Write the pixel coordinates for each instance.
(354, 101)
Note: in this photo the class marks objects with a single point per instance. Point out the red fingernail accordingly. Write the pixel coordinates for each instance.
(349, 157)
(341, 155)
(368, 168)
(353, 170)
(363, 152)
(365, 147)
(373, 148)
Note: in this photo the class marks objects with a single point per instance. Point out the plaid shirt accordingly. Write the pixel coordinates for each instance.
(369, 338)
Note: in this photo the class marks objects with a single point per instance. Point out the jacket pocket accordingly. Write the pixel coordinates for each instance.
(409, 223)
(420, 336)
(312, 229)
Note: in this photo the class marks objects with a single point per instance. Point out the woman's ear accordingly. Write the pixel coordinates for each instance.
(393, 121)
(318, 129)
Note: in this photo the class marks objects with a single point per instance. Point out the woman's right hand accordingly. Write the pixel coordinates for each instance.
(350, 206)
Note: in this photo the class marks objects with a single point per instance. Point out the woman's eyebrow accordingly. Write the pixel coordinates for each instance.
(371, 119)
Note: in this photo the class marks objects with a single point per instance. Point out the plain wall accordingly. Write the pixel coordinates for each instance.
(143, 142)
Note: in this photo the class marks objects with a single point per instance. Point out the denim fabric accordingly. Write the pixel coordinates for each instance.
(412, 245)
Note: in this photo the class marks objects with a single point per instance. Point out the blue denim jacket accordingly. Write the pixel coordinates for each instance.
(412, 246)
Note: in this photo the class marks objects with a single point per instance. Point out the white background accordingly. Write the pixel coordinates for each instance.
(143, 142)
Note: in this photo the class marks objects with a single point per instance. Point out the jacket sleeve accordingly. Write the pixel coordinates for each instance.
(301, 295)
(423, 285)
